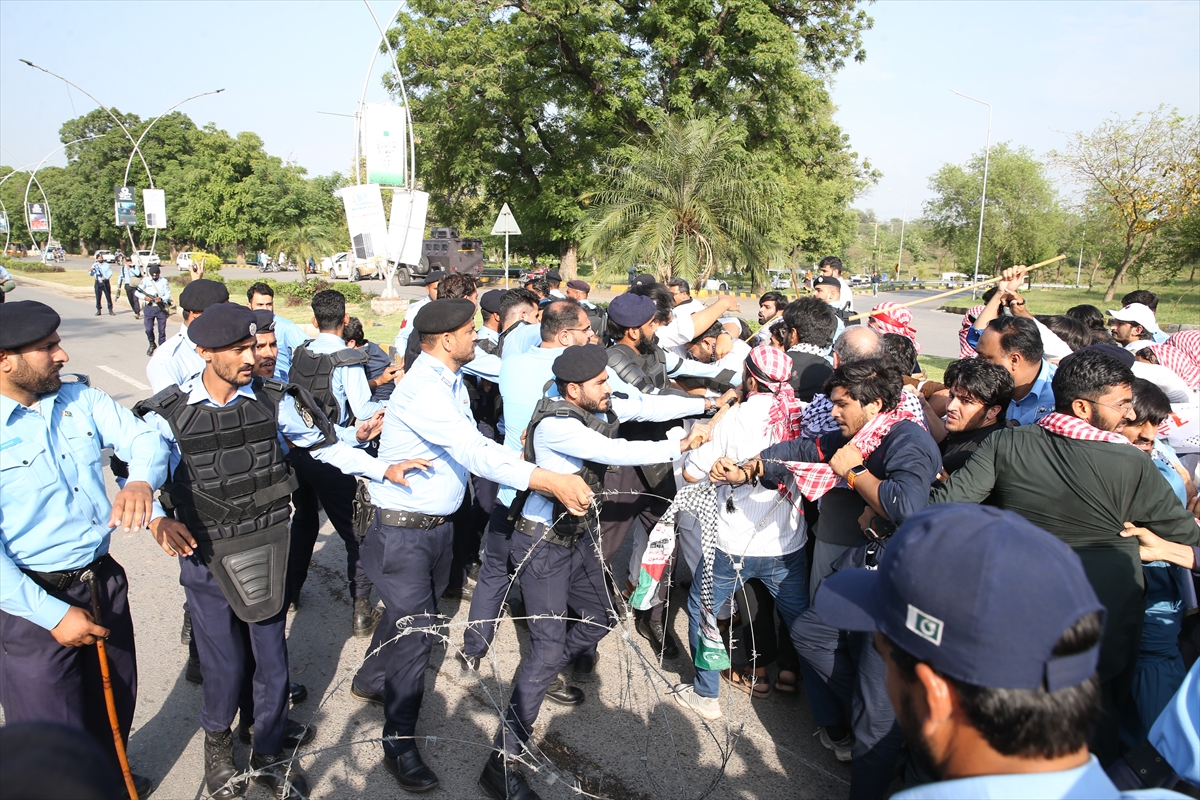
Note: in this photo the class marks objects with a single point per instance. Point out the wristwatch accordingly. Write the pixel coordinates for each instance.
(854, 472)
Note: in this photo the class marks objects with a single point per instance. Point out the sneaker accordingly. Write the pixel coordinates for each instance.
(840, 748)
(707, 707)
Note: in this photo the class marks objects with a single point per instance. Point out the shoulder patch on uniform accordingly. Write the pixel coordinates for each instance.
(10, 442)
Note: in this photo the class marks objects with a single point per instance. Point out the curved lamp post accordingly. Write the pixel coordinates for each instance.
(4, 209)
(45, 200)
(903, 220)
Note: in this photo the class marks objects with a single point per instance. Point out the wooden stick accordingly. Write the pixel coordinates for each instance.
(952, 291)
(795, 283)
(94, 587)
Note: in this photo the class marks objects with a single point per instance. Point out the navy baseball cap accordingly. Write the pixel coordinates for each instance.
(979, 594)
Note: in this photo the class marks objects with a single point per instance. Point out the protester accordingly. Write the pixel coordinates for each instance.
(1133, 323)
(831, 266)
(894, 318)
(770, 310)
(979, 394)
(260, 295)
(808, 328)
(382, 372)
(1149, 300)
(431, 291)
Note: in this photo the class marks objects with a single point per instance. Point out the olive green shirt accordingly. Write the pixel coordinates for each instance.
(1082, 492)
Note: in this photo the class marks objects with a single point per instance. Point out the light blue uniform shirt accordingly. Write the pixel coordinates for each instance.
(54, 509)
(523, 378)
(174, 362)
(406, 325)
(4, 276)
(343, 454)
(429, 416)
(1176, 732)
(1040, 400)
(523, 339)
(484, 365)
(289, 336)
(156, 288)
(488, 335)
(1082, 783)
(348, 383)
(100, 270)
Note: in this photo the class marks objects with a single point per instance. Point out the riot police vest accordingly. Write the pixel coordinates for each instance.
(592, 472)
(314, 372)
(631, 367)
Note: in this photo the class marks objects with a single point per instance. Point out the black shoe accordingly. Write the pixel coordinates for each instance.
(137, 316)
(564, 695)
(294, 734)
(219, 770)
(97, 312)
(661, 640)
(468, 663)
(279, 774)
(192, 673)
(464, 592)
(502, 781)
(150, 350)
(367, 697)
(366, 617)
(585, 668)
(410, 772)
(112, 313)
(297, 693)
(473, 571)
(143, 786)
(185, 633)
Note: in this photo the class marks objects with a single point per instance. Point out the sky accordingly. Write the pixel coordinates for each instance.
(1047, 68)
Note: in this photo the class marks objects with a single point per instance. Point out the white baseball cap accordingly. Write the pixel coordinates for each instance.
(1138, 314)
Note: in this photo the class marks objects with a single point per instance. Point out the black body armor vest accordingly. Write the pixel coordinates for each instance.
(314, 372)
(648, 374)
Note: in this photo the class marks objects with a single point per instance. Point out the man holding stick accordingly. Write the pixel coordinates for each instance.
(55, 525)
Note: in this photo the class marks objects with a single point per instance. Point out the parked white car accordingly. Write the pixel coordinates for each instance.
(346, 267)
(184, 261)
(107, 256)
(146, 258)
(780, 278)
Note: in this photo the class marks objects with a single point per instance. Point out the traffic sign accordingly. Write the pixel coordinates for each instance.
(505, 223)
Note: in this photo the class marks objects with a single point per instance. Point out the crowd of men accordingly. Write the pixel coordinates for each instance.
(981, 586)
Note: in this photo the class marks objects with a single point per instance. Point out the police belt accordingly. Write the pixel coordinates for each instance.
(539, 530)
(61, 581)
(409, 519)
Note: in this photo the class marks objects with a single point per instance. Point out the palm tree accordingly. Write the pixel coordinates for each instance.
(303, 240)
(685, 201)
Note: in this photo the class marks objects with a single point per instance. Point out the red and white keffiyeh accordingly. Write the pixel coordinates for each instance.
(1188, 342)
(814, 480)
(1178, 362)
(771, 369)
(893, 318)
(1076, 428)
(965, 350)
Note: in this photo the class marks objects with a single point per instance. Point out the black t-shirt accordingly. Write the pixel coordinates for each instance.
(957, 448)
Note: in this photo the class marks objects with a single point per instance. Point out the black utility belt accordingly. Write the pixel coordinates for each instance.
(61, 581)
(409, 519)
(538, 530)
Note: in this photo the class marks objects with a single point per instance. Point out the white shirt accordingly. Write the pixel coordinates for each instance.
(846, 300)
(406, 325)
(734, 360)
(1166, 379)
(765, 522)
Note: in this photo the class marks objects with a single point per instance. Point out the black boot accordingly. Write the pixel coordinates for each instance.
(294, 734)
(279, 774)
(366, 617)
(150, 350)
(193, 673)
(219, 769)
(143, 786)
(502, 781)
(559, 692)
(185, 633)
(661, 640)
(410, 772)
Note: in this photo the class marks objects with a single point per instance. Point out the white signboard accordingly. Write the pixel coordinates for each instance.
(154, 201)
(365, 217)
(385, 143)
(506, 223)
(406, 231)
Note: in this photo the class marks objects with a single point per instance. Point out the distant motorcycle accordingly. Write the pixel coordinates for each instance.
(269, 266)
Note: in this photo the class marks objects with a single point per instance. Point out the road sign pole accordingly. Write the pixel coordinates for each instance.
(506, 261)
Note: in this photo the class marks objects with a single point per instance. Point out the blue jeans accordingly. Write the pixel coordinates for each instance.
(786, 578)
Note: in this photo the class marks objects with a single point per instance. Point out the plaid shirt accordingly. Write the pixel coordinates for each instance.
(814, 480)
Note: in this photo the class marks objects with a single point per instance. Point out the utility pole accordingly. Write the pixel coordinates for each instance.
(1079, 267)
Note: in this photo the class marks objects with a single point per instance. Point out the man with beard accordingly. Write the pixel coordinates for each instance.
(229, 488)
(175, 360)
(55, 527)
(266, 346)
(1074, 475)
(993, 674)
(770, 309)
(556, 552)
(979, 396)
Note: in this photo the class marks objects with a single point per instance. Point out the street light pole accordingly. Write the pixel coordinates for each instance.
(983, 201)
(903, 220)
(1079, 266)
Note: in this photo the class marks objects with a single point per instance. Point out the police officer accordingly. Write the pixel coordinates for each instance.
(489, 333)
(175, 360)
(101, 273)
(406, 325)
(336, 377)
(408, 545)
(230, 494)
(55, 524)
(130, 272)
(156, 292)
(557, 552)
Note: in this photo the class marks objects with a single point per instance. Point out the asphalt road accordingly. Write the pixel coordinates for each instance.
(629, 740)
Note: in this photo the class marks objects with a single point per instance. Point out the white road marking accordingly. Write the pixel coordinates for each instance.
(122, 376)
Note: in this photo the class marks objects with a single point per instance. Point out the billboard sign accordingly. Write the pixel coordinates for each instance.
(3, 222)
(407, 228)
(154, 201)
(385, 143)
(366, 220)
(39, 217)
(126, 207)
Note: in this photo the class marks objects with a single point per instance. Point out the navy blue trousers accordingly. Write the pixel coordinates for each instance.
(553, 579)
(334, 491)
(153, 314)
(42, 681)
(492, 586)
(410, 569)
(221, 640)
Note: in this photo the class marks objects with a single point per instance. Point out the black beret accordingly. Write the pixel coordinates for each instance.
(442, 316)
(631, 310)
(200, 294)
(826, 280)
(554, 276)
(1119, 353)
(580, 363)
(434, 277)
(578, 285)
(490, 302)
(223, 325)
(644, 279)
(264, 319)
(24, 322)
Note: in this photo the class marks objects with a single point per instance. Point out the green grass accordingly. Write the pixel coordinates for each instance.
(71, 277)
(934, 366)
(1057, 301)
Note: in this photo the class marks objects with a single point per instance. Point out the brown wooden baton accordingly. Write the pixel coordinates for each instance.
(93, 582)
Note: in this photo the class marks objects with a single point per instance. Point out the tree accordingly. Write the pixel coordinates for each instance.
(520, 101)
(1022, 220)
(1146, 170)
(686, 201)
(305, 240)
